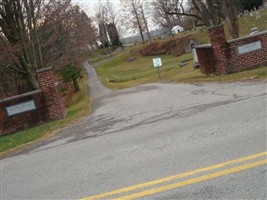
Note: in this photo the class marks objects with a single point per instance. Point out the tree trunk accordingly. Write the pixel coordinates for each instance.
(107, 39)
(30, 73)
(169, 24)
(33, 81)
(76, 85)
(145, 21)
(138, 22)
(230, 12)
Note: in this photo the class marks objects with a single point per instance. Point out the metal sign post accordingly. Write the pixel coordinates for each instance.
(159, 74)
(157, 63)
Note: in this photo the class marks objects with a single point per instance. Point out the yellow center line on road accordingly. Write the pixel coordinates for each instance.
(171, 178)
(193, 180)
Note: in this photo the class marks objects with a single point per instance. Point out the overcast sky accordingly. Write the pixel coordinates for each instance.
(89, 5)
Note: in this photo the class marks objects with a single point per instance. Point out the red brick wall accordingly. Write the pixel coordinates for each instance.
(48, 103)
(226, 56)
(248, 60)
(9, 124)
(206, 59)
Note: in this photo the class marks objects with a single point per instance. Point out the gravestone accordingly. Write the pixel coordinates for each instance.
(195, 58)
(131, 59)
(246, 12)
(254, 30)
(258, 15)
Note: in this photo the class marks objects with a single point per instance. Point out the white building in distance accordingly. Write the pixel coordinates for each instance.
(177, 29)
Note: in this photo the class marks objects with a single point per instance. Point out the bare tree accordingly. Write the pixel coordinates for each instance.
(18, 22)
(176, 7)
(112, 30)
(101, 18)
(161, 13)
(230, 11)
(135, 17)
(145, 21)
(66, 32)
(106, 18)
(37, 33)
(111, 13)
(210, 12)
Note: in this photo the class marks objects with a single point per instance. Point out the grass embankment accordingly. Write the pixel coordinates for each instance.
(80, 106)
(117, 73)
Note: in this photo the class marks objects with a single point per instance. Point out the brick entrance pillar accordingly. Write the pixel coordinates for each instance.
(54, 102)
(220, 46)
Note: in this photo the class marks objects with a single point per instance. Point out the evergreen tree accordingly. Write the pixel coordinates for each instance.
(250, 4)
(71, 73)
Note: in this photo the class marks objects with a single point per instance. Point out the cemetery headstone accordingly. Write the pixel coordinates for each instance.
(258, 15)
(246, 12)
(254, 30)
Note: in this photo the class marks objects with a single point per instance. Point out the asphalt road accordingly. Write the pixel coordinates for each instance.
(174, 135)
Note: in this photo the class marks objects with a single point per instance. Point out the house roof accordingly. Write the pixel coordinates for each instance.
(177, 27)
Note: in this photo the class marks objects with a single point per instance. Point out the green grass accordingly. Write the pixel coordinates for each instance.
(102, 54)
(117, 73)
(254, 74)
(80, 106)
(246, 23)
(99, 55)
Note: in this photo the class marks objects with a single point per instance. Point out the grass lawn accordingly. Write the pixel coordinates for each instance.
(99, 55)
(117, 73)
(103, 54)
(246, 23)
(80, 106)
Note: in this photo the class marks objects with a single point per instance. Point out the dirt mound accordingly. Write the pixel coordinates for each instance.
(175, 47)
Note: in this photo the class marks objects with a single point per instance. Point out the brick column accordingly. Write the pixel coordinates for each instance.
(1, 119)
(206, 59)
(54, 102)
(220, 47)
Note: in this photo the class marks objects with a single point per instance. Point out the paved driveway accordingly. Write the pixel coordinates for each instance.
(146, 133)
